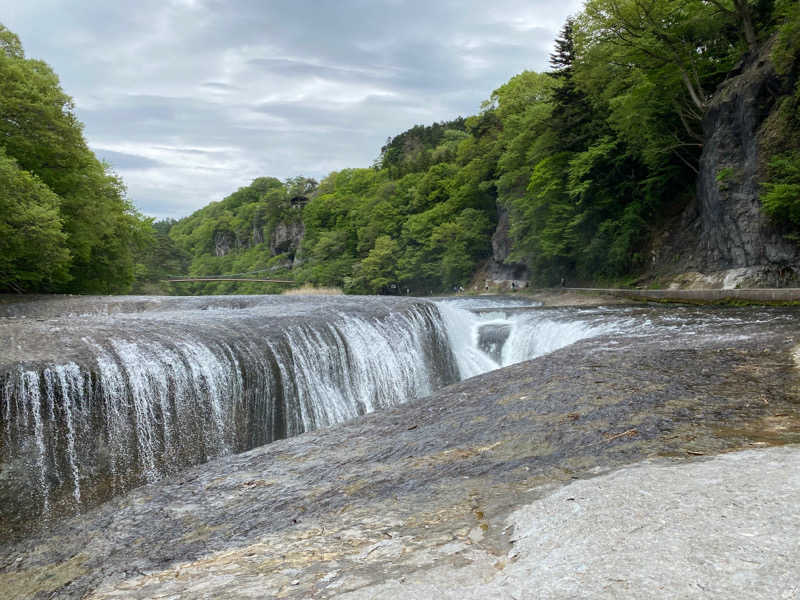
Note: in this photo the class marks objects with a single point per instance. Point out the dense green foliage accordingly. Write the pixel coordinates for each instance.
(787, 43)
(159, 260)
(421, 220)
(415, 149)
(589, 160)
(233, 237)
(65, 221)
(781, 194)
(781, 197)
(32, 244)
(619, 137)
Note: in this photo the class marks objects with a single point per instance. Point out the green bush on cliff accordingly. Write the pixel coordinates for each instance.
(787, 44)
(781, 196)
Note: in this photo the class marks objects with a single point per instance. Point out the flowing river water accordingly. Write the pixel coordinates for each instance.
(99, 395)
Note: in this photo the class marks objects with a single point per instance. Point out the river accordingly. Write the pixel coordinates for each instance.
(101, 394)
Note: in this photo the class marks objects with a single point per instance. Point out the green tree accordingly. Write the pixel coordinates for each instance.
(32, 250)
(39, 130)
(781, 195)
(377, 271)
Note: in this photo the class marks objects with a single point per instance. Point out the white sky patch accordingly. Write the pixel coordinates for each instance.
(192, 99)
(476, 62)
(525, 16)
(173, 155)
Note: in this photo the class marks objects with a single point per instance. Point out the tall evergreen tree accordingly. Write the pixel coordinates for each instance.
(572, 113)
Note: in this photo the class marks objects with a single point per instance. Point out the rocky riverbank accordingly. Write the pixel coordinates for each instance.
(700, 296)
(430, 492)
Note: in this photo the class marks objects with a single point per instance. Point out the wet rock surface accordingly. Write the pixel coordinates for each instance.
(428, 487)
(720, 528)
(99, 395)
(491, 338)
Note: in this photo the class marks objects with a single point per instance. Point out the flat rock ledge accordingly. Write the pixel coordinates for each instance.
(661, 466)
(724, 528)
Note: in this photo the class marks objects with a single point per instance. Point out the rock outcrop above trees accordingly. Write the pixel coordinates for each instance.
(286, 238)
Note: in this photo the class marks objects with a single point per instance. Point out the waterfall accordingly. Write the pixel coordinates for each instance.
(163, 393)
(462, 331)
(138, 395)
(491, 338)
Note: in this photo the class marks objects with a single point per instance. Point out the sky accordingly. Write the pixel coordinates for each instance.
(189, 100)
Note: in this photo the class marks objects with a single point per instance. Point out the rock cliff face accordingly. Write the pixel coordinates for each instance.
(498, 269)
(725, 228)
(286, 238)
(224, 242)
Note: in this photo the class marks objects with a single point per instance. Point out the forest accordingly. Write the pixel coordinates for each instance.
(590, 160)
(66, 223)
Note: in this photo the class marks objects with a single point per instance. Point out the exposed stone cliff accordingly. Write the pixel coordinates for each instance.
(498, 269)
(725, 229)
(286, 238)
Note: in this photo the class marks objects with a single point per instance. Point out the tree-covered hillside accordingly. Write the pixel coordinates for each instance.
(421, 218)
(587, 165)
(590, 159)
(65, 221)
(252, 233)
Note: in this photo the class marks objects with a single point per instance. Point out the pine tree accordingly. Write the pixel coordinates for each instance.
(572, 113)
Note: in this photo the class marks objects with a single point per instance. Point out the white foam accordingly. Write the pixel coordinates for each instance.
(532, 334)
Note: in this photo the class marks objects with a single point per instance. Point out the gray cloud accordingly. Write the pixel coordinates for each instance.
(123, 161)
(191, 99)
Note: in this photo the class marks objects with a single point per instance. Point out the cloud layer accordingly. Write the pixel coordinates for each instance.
(191, 99)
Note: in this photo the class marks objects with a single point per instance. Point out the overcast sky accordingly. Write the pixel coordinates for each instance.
(191, 99)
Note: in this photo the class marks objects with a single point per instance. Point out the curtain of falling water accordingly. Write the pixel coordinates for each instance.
(488, 340)
(152, 404)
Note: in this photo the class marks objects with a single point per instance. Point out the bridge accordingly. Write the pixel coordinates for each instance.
(204, 279)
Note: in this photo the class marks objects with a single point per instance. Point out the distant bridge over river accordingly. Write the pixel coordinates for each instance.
(204, 279)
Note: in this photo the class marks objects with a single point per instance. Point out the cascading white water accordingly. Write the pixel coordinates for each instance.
(536, 335)
(462, 331)
(153, 401)
(68, 378)
(493, 338)
(166, 391)
(31, 386)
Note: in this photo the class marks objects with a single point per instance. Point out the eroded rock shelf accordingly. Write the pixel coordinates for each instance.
(403, 496)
